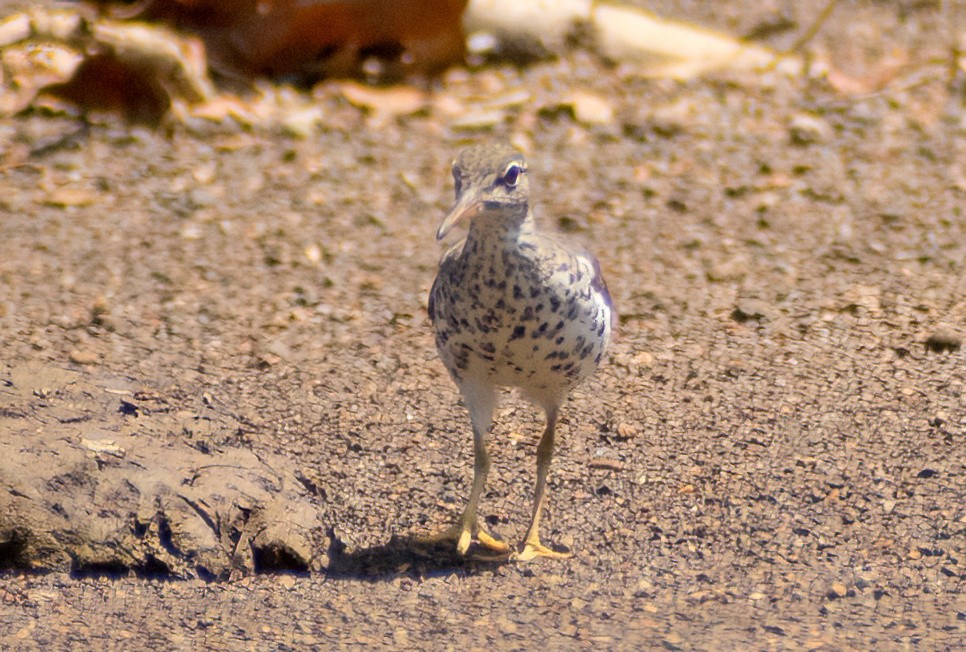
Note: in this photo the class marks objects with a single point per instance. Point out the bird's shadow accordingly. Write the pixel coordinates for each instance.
(418, 556)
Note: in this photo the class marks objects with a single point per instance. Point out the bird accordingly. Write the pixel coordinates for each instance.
(513, 306)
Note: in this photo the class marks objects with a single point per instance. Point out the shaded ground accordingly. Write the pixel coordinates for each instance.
(216, 361)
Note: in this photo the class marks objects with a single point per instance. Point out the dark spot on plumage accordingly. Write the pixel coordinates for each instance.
(488, 347)
(534, 291)
(556, 367)
(517, 292)
(600, 329)
(518, 332)
(554, 304)
(528, 246)
(559, 340)
(599, 357)
(587, 351)
(539, 307)
(559, 326)
(501, 304)
(572, 309)
(563, 267)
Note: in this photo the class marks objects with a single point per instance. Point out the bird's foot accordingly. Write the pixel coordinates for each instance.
(534, 549)
(484, 539)
(490, 543)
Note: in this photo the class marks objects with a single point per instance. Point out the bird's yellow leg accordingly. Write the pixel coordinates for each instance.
(469, 525)
(532, 548)
(481, 403)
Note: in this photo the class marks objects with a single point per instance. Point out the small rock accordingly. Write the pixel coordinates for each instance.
(67, 197)
(806, 129)
(201, 198)
(14, 29)
(477, 119)
(672, 641)
(590, 109)
(608, 464)
(83, 357)
(313, 253)
(301, 123)
(672, 119)
(626, 430)
(751, 310)
(943, 341)
(838, 590)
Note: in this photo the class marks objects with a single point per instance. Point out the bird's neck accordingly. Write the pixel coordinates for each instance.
(498, 229)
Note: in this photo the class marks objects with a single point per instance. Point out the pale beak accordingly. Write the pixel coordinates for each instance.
(467, 207)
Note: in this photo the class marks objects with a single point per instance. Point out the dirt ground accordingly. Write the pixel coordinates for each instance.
(225, 424)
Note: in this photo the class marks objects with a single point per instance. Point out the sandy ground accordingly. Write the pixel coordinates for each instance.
(225, 424)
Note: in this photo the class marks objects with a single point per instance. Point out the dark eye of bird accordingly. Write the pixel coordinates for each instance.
(512, 176)
(458, 179)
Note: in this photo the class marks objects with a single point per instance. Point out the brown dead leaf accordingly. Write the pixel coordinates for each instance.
(390, 102)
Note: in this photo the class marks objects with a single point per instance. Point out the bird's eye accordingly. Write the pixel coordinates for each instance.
(457, 179)
(512, 176)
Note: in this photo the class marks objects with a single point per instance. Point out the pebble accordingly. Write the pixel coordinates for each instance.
(476, 119)
(807, 129)
(589, 109)
(752, 310)
(83, 357)
(943, 341)
(608, 464)
(626, 430)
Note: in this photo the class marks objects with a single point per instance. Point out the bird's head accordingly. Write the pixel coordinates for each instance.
(491, 184)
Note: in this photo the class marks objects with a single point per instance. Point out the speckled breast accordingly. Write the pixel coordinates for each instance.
(517, 318)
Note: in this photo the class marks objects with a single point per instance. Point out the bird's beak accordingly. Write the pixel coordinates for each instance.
(467, 207)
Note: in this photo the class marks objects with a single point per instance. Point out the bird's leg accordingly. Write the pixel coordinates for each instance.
(481, 403)
(532, 547)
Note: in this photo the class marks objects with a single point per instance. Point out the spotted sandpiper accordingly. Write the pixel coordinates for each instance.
(513, 307)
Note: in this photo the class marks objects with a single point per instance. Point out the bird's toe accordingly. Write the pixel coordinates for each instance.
(534, 549)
